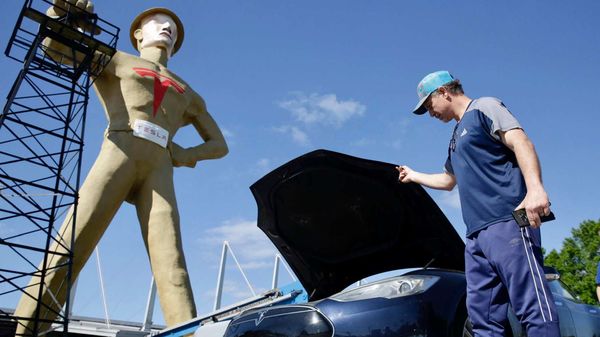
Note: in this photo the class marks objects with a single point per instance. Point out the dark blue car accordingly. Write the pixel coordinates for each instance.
(338, 219)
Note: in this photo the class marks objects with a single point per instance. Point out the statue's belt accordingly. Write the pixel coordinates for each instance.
(150, 131)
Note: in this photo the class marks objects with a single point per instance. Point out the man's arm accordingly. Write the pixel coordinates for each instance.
(438, 181)
(536, 201)
(214, 145)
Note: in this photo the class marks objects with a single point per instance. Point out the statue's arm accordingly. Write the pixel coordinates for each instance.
(214, 145)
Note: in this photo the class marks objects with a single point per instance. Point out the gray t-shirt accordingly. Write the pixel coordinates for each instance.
(487, 174)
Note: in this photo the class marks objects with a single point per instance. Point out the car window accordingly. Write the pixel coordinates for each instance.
(559, 289)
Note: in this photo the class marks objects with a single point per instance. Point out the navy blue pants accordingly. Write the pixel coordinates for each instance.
(504, 263)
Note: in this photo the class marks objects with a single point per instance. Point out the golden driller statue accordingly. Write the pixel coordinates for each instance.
(145, 104)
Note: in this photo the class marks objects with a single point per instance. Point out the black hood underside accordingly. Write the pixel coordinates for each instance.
(337, 219)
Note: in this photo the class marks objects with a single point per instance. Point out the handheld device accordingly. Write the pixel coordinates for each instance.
(521, 217)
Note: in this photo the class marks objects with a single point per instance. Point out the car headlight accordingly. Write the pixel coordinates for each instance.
(389, 288)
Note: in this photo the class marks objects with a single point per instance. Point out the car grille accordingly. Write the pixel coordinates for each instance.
(285, 321)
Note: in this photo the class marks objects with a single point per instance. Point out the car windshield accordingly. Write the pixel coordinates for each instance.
(559, 289)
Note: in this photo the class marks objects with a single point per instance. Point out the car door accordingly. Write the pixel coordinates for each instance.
(586, 318)
(576, 318)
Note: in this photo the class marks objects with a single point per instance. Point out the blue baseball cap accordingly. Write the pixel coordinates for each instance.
(429, 84)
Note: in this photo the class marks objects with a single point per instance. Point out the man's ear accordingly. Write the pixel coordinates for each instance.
(138, 35)
(443, 92)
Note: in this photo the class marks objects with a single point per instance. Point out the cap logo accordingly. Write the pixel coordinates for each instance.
(433, 81)
(420, 91)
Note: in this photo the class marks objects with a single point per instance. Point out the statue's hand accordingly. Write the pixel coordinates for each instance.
(79, 10)
(180, 156)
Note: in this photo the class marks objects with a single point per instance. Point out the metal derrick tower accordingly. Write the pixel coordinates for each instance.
(41, 143)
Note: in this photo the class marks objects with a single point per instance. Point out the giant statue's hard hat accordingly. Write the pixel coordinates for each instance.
(156, 10)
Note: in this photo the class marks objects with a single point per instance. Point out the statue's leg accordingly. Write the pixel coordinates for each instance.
(159, 220)
(103, 191)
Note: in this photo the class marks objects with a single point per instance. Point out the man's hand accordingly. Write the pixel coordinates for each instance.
(536, 204)
(80, 10)
(180, 156)
(536, 201)
(405, 174)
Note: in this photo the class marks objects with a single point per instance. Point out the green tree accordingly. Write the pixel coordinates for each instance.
(578, 259)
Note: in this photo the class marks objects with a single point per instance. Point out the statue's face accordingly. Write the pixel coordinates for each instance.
(159, 30)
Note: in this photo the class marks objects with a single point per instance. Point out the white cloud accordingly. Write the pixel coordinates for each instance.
(266, 264)
(236, 290)
(323, 109)
(229, 136)
(233, 291)
(249, 244)
(263, 163)
(298, 136)
(363, 142)
(227, 133)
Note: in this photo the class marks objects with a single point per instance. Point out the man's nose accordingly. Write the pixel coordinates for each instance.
(166, 27)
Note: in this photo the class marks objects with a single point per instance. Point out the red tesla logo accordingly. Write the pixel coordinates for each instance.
(161, 84)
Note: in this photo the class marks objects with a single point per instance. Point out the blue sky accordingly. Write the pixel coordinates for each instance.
(286, 77)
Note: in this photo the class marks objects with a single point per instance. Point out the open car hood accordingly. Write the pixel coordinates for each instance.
(337, 219)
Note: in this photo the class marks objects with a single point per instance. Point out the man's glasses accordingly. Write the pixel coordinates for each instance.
(452, 145)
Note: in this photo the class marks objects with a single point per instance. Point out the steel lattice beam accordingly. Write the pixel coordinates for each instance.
(41, 138)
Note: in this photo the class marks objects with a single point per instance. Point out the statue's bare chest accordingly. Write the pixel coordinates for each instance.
(153, 90)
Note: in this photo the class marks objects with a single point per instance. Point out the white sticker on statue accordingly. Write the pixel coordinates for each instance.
(150, 131)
